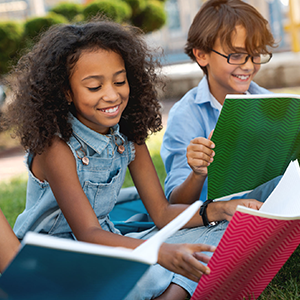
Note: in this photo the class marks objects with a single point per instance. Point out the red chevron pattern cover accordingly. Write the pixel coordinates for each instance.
(248, 256)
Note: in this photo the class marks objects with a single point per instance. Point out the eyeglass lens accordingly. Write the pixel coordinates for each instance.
(241, 58)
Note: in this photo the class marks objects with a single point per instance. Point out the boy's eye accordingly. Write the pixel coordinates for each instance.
(238, 56)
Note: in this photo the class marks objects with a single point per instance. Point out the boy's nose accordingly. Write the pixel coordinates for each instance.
(249, 65)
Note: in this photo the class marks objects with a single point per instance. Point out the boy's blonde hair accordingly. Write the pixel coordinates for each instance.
(219, 18)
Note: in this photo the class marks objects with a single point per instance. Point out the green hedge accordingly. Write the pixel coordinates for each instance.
(152, 17)
(68, 10)
(118, 11)
(137, 6)
(10, 41)
(35, 26)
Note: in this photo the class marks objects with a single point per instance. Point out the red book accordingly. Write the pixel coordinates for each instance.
(255, 245)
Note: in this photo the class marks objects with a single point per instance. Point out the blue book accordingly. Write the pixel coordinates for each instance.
(53, 268)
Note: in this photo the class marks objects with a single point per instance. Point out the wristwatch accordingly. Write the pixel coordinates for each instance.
(203, 214)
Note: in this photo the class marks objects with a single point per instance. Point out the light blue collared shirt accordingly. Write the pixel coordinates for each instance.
(195, 115)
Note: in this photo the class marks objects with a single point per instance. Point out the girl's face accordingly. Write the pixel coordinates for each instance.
(100, 89)
(225, 78)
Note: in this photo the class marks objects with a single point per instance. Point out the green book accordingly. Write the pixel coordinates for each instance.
(256, 137)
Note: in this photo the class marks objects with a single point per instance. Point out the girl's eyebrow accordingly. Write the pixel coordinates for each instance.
(101, 76)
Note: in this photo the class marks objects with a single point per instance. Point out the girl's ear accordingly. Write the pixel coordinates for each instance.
(202, 57)
(68, 97)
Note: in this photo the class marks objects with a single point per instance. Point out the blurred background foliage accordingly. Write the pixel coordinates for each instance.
(149, 15)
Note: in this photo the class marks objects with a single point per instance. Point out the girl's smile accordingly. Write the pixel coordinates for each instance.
(99, 89)
(112, 111)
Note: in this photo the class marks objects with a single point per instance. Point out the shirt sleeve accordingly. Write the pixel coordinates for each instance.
(184, 124)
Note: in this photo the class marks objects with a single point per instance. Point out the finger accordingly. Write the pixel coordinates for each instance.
(203, 248)
(202, 257)
(194, 267)
(200, 152)
(203, 141)
(188, 275)
(200, 149)
(199, 160)
(210, 135)
(255, 204)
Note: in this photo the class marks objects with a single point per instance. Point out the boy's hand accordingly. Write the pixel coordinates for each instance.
(200, 154)
(184, 259)
(230, 206)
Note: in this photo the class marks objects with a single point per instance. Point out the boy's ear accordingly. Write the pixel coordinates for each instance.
(201, 57)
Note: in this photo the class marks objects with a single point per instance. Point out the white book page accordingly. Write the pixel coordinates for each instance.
(151, 247)
(262, 96)
(285, 198)
(47, 241)
(146, 253)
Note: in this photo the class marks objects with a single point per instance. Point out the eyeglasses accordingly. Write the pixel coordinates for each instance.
(242, 58)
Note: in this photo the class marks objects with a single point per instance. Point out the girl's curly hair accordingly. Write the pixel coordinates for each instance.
(39, 109)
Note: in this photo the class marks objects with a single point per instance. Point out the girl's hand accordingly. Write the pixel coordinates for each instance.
(229, 207)
(200, 154)
(184, 259)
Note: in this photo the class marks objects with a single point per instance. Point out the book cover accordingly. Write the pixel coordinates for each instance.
(54, 268)
(255, 244)
(256, 137)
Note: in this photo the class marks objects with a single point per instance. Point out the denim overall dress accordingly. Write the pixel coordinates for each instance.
(101, 180)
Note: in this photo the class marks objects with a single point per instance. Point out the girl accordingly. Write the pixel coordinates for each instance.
(83, 106)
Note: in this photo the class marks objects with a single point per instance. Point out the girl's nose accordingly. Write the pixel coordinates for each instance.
(109, 93)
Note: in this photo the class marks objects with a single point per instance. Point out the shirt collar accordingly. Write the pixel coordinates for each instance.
(204, 95)
(98, 142)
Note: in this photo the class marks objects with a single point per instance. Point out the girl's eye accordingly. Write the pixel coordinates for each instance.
(94, 89)
(120, 82)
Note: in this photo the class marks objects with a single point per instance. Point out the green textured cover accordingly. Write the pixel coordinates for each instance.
(256, 137)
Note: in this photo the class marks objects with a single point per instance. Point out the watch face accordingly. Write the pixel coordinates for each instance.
(213, 223)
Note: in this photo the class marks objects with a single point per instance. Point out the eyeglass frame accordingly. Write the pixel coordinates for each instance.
(246, 59)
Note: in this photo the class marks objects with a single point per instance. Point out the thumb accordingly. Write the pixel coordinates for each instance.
(210, 135)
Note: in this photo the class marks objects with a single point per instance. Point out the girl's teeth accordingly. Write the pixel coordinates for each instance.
(111, 110)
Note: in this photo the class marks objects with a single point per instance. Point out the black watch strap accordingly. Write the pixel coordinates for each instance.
(202, 212)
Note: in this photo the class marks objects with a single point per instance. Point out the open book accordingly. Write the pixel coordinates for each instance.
(256, 137)
(255, 244)
(53, 268)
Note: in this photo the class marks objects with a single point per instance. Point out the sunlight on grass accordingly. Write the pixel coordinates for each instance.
(13, 195)
(154, 142)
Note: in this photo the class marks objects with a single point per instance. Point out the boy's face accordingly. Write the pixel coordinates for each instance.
(224, 78)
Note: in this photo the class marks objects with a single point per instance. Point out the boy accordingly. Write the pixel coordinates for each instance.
(229, 39)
